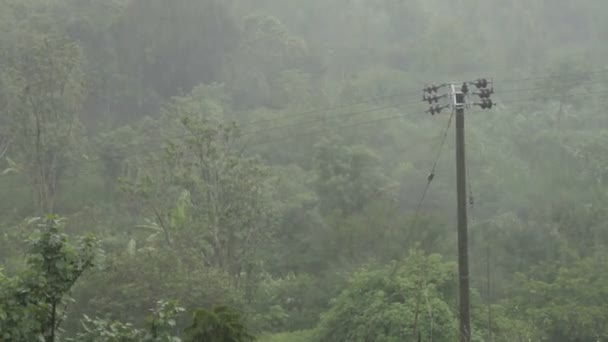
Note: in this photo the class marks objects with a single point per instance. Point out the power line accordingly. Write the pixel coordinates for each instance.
(331, 108)
(329, 129)
(546, 97)
(555, 76)
(356, 124)
(395, 106)
(142, 153)
(431, 174)
(351, 114)
(377, 98)
(430, 177)
(402, 116)
(184, 136)
(384, 97)
(535, 98)
(288, 125)
(373, 121)
(360, 123)
(559, 85)
(317, 120)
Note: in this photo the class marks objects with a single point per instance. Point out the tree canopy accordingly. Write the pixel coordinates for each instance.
(212, 170)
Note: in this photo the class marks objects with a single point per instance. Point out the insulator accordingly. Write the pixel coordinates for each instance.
(432, 98)
(436, 109)
(464, 88)
(433, 110)
(485, 92)
(486, 104)
(431, 88)
(481, 83)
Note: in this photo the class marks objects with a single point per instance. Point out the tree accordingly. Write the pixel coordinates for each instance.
(266, 49)
(301, 229)
(565, 301)
(123, 288)
(231, 194)
(394, 303)
(172, 47)
(206, 195)
(45, 96)
(160, 327)
(33, 305)
(348, 177)
(221, 324)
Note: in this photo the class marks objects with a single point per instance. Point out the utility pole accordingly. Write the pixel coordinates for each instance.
(461, 189)
(459, 93)
(490, 338)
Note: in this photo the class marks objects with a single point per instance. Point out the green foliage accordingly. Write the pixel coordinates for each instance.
(394, 303)
(301, 229)
(161, 44)
(42, 110)
(296, 336)
(105, 330)
(268, 52)
(207, 196)
(287, 303)
(128, 282)
(255, 154)
(160, 327)
(221, 324)
(504, 326)
(348, 177)
(566, 302)
(33, 304)
(161, 324)
(218, 325)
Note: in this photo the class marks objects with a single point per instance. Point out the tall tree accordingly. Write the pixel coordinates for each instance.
(45, 98)
(206, 194)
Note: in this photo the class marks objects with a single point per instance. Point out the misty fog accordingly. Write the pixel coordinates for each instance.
(275, 171)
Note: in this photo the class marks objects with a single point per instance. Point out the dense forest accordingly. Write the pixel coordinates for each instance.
(260, 170)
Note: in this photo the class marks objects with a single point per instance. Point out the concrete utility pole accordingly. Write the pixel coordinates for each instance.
(461, 189)
(459, 93)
